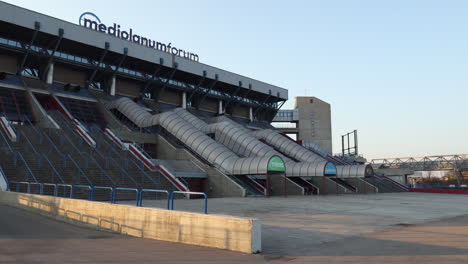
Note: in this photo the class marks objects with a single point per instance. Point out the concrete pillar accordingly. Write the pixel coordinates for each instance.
(50, 74)
(184, 100)
(112, 87)
(220, 107)
(251, 114)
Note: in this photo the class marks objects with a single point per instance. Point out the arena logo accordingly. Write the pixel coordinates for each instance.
(91, 21)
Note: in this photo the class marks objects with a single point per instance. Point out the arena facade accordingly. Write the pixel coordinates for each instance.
(96, 104)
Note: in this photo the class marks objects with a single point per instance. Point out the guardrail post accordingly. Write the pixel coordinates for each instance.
(91, 194)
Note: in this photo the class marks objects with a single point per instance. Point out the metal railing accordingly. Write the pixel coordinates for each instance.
(53, 170)
(2, 173)
(90, 191)
(28, 169)
(137, 193)
(6, 144)
(105, 160)
(80, 172)
(28, 121)
(65, 186)
(168, 195)
(113, 192)
(126, 159)
(104, 188)
(194, 193)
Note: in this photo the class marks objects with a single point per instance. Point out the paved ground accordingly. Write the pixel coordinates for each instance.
(356, 228)
(384, 228)
(29, 238)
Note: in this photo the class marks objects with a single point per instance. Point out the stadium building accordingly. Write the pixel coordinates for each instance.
(96, 104)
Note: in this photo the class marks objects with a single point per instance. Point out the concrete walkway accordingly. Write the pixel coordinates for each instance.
(384, 228)
(378, 227)
(29, 238)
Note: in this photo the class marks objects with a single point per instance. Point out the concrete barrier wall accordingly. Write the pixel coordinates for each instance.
(224, 232)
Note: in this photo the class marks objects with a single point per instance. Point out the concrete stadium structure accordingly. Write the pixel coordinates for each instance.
(82, 107)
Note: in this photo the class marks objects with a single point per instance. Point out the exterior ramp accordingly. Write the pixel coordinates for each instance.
(343, 170)
(215, 153)
(243, 143)
(298, 152)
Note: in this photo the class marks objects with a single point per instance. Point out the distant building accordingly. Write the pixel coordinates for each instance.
(310, 121)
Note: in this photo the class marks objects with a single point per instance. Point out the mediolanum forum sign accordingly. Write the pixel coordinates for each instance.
(91, 21)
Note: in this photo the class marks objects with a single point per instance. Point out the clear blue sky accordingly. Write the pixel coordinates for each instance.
(396, 70)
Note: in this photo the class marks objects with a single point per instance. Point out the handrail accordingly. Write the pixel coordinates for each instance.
(33, 127)
(6, 124)
(6, 141)
(79, 169)
(50, 184)
(102, 170)
(90, 191)
(394, 182)
(41, 186)
(51, 143)
(89, 157)
(112, 189)
(155, 191)
(106, 160)
(31, 146)
(129, 159)
(195, 193)
(25, 164)
(114, 200)
(53, 168)
(371, 185)
(4, 178)
(66, 185)
(65, 123)
(18, 185)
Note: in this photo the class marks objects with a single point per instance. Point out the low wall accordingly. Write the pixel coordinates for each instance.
(231, 233)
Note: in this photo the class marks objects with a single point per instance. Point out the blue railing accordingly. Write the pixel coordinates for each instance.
(79, 171)
(5, 142)
(54, 171)
(126, 159)
(137, 193)
(90, 191)
(33, 127)
(194, 193)
(28, 169)
(113, 192)
(105, 188)
(65, 186)
(50, 184)
(168, 195)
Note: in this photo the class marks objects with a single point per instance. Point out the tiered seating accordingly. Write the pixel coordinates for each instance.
(85, 111)
(14, 104)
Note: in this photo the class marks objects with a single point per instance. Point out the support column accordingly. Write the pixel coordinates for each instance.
(251, 114)
(184, 100)
(50, 74)
(220, 107)
(112, 86)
